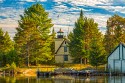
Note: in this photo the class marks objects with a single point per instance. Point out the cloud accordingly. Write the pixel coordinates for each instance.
(114, 9)
(84, 2)
(64, 13)
(33, 0)
(42, 0)
(11, 21)
(99, 18)
(28, 0)
(64, 17)
(106, 4)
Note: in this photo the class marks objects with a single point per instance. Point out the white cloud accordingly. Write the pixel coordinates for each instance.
(61, 19)
(91, 2)
(99, 18)
(95, 3)
(1, 0)
(11, 18)
(85, 2)
(42, 0)
(114, 8)
(34, 0)
(28, 0)
(60, 8)
(10, 29)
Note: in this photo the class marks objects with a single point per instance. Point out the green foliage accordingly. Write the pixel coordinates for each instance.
(90, 30)
(52, 46)
(82, 37)
(6, 45)
(12, 57)
(97, 53)
(53, 35)
(13, 66)
(115, 32)
(76, 45)
(32, 40)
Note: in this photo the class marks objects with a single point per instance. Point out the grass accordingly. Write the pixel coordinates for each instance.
(31, 71)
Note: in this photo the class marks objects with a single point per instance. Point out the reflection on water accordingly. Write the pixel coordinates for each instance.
(64, 79)
(116, 79)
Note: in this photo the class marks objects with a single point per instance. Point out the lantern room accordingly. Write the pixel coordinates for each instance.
(60, 34)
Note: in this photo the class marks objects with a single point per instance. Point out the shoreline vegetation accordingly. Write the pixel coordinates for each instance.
(32, 70)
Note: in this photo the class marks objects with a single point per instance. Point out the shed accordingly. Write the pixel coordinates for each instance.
(116, 60)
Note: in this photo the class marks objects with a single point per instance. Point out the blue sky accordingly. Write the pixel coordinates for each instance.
(63, 12)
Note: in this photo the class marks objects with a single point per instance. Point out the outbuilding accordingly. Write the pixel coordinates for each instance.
(116, 60)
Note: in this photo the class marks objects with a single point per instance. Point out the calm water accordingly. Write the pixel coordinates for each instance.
(63, 79)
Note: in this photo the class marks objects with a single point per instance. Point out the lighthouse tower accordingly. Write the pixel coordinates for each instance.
(61, 49)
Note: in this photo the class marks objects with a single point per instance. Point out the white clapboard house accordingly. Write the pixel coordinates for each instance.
(116, 60)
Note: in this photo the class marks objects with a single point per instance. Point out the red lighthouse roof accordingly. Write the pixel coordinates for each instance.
(60, 31)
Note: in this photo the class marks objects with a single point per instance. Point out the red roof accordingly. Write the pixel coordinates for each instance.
(60, 31)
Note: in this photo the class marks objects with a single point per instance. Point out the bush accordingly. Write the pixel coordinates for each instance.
(13, 66)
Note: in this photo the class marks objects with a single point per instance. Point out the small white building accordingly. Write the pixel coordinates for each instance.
(116, 60)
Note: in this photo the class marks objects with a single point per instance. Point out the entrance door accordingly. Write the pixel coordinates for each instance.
(117, 65)
(123, 66)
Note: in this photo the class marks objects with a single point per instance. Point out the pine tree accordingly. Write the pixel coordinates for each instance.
(76, 45)
(1, 40)
(53, 41)
(90, 29)
(6, 45)
(97, 52)
(32, 38)
(82, 37)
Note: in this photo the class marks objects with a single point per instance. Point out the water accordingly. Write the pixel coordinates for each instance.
(63, 79)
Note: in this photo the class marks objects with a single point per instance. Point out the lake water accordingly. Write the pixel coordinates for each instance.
(63, 79)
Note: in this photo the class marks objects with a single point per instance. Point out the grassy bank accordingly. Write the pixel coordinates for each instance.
(31, 71)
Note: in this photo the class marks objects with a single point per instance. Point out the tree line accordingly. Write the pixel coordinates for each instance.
(33, 44)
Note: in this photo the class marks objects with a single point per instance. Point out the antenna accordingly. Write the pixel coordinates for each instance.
(68, 26)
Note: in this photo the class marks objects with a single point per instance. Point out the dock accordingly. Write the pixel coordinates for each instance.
(66, 71)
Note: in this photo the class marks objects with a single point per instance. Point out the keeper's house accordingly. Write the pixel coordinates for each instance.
(61, 49)
(116, 60)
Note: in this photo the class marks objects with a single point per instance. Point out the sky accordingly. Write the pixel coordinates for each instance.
(63, 13)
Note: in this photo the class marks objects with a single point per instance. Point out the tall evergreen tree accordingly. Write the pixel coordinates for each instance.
(32, 38)
(97, 52)
(90, 29)
(81, 38)
(6, 45)
(1, 40)
(76, 45)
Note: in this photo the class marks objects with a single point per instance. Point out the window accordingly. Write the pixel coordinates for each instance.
(65, 57)
(65, 42)
(65, 49)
